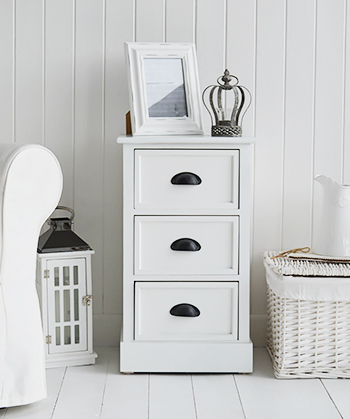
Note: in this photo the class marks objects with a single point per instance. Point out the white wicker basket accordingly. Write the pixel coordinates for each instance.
(308, 339)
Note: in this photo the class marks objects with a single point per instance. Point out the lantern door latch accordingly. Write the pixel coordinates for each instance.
(48, 339)
(87, 299)
(46, 273)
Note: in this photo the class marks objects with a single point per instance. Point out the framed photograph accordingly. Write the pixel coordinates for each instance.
(164, 89)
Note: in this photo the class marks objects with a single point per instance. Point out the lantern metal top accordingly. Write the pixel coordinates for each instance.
(227, 105)
(60, 237)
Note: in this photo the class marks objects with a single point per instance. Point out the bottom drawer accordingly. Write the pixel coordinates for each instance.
(186, 310)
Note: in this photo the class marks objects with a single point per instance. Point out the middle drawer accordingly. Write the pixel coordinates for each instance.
(173, 245)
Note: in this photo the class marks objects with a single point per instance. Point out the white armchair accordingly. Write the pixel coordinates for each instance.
(30, 188)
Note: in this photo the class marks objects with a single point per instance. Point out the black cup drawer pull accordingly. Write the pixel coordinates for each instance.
(185, 310)
(186, 245)
(186, 178)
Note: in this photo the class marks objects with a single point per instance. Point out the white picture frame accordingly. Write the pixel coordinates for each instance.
(164, 89)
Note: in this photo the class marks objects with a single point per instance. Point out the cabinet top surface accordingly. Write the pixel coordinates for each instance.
(183, 139)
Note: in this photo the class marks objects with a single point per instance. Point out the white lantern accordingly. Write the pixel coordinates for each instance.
(65, 292)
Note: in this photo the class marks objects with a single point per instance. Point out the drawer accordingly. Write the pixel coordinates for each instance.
(186, 179)
(186, 310)
(172, 245)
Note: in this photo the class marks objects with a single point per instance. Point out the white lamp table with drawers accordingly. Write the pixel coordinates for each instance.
(187, 203)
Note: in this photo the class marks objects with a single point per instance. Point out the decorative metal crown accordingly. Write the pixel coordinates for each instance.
(228, 106)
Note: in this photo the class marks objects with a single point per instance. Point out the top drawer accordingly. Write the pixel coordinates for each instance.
(206, 179)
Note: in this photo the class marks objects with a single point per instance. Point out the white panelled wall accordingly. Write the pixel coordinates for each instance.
(63, 85)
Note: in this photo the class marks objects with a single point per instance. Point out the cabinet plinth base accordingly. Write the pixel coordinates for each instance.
(186, 357)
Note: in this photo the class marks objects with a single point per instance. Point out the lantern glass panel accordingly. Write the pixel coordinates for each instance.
(58, 336)
(67, 336)
(76, 304)
(65, 275)
(76, 332)
(75, 274)
(57, 276)
(57, 307)
(66, 305)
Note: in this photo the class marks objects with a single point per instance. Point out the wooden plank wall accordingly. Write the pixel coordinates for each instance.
(63, 85)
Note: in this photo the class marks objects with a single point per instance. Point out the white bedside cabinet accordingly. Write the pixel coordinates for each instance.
(186, 254)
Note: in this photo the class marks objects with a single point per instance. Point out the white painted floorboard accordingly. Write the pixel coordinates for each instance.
(101, 392)
(171, 397)
(265, 397)
(44, 408)
(82, 392)
(339, 391)
(216, 396)
(126, 395)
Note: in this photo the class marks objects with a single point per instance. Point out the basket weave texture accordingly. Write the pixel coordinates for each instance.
(308, 339)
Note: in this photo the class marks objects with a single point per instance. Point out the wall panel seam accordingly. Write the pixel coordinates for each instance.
(194, 5)
(135, 21)
(224, 57)
(225, 32)
(43, 93)
(74, 11)
(344, 92)
(313, 122)
(103, 144)
(195, 22)
(284, 95)
(164, 37)
(14, 90)
(255, 26)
